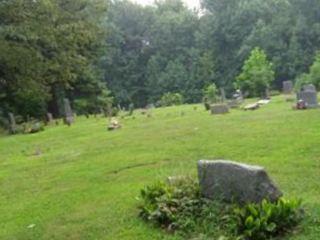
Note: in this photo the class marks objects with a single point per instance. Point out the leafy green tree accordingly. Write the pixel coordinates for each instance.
(314, 74)
(312, 77)
(48, 49)
(210, 93)
(301, 80)
(257, 74)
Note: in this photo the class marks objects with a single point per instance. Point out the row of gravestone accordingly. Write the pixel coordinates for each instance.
(306, 96)
(68, 117)
(224, 105)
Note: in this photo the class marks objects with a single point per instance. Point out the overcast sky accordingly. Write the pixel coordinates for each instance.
(190, 3)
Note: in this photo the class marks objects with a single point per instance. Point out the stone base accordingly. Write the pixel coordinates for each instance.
(219, 109)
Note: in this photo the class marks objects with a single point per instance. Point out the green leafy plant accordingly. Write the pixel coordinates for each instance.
(178, 206)
(170, 99)
(257, 73)
(268, 219)
(210, 93)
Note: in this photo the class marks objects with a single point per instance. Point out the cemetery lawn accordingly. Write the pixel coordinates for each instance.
(82, 182)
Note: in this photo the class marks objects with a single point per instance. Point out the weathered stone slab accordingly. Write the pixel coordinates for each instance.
(219, 109)
(252, 106)
(287, 87)
(231, 181)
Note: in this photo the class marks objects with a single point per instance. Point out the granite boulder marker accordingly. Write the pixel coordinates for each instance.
(308, 95)
(230, 181)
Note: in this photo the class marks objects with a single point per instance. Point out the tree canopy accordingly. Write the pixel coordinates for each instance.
(83, 49)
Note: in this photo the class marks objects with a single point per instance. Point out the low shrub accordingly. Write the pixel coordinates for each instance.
(177, 206)
(265, 220)
(33, 127)
(210, 94)
(274, 93)
(171, 99)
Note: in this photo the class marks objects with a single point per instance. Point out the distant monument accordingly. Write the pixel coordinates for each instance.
(237, 99)
(287, 87)
(12, 122)
(223, 95)
(49, 118)
(68, 114)
(308, 95)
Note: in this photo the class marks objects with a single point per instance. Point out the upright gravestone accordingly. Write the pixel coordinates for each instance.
(68, 114)
(287, 87)
(223, 95)
(49, 118)
(266, 94)
(12, 122)
(308, 95)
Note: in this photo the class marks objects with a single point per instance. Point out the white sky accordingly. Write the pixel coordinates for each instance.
(190, 3)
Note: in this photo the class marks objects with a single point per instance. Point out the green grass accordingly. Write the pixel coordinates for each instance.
(85, 182)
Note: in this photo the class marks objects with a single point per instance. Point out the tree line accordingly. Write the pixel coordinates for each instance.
(98, 52)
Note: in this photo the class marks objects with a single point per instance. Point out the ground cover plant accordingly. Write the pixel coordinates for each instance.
(82, 182)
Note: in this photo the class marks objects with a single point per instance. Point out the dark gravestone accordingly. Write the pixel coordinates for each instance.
(308, 95)
(219, 109)
(231, 181)
(266, 94)
(287, 87)
(12, 122)
(68, 114)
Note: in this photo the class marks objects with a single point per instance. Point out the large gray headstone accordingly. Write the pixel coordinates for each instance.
(68, 117)
(219, 109)
(231, 181)
(12, 122)
(308, 94)
(287, 87)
